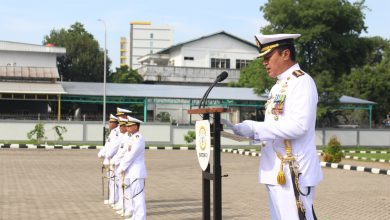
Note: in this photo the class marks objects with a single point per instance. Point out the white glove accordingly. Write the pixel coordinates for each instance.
(227, 123)
(244, 129)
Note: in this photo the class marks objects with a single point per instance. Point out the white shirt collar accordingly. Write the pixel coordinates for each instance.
(288, 72)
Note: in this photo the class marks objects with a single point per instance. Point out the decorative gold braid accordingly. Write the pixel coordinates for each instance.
(123, 182)
(272, 46)
(291, 159)
(281, 178)
(287, 145)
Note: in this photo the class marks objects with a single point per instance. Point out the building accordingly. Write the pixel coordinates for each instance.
(29, 90)
(199, 61)
(146, 39)
(151, 102)
(28, 79)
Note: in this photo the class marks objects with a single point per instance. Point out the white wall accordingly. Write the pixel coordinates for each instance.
(27, 59)
(158, 133)
(219, 46)
(143, 43)
(375, 138)
(348, 138)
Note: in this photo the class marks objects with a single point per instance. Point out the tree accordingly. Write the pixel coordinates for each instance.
(60, 130)
(190, 137)
(328, 99)
(164, 117)
(124, 75)
(37, 134)
(332, 152)
(330, 32)
(372, 80)
(84, 60)
(254, 76)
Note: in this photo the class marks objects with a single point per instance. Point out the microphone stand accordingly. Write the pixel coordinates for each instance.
(206, 94)
(222, 76)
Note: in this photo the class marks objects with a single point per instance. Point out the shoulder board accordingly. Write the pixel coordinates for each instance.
(298, 73)
(135, 136)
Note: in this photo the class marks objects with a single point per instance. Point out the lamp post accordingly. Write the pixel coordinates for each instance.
(131, 38)
(104, 80)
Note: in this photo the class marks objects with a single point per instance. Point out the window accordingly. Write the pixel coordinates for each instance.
(220, 63)
(241, 64)
(188, 58)
(151, 35)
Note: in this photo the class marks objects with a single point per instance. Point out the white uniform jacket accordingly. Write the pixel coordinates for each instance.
(123, 146)
(295, 93)
(114, 145)
(102, 153)
(133, 162)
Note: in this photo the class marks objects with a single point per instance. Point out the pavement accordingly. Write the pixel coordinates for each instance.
(66, 184)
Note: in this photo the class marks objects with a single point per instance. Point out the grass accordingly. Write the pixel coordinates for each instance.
(372, 156)
(360, 148)
(366, 148)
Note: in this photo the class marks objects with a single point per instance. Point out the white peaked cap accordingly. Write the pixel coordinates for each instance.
(266, 43)
(113, 118)
(265, 39)
(122, 121)
(122, 111)
(132, 121)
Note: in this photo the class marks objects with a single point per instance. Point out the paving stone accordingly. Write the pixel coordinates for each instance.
(63, 184)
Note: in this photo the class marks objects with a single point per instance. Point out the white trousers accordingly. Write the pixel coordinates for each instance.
(120, 189)
(136, 193)
(113, 198)
(125, 203)
(282, 201)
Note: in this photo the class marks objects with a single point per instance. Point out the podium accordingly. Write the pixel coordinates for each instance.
(215, 176)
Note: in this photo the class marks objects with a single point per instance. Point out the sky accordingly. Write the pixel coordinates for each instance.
(28, 21)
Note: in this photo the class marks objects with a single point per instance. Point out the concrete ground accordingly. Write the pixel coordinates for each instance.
(66, 184)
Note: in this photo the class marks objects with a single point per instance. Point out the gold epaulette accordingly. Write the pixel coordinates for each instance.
(298, 73)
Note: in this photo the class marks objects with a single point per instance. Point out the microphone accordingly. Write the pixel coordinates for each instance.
(221, 77)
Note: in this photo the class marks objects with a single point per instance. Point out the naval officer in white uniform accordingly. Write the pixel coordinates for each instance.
(133, 167)
(119, 206)
(110, 153)
(114, 132)
(289, 124)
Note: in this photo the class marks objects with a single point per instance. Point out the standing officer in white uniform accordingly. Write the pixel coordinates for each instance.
(287, 133)
(112, 124)
(114, 132)
(115, 163)
(133, 167)
(122, 139)
(111, 151)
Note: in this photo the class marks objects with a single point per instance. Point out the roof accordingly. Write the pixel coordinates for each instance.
(23, 47)
(160, 91)
(28, 72)
(353, 100)
(31, 88)
(203, 37)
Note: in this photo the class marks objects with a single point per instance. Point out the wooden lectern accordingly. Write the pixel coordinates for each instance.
(216, 176)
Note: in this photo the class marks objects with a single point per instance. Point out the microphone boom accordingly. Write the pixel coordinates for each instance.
(221, 77)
